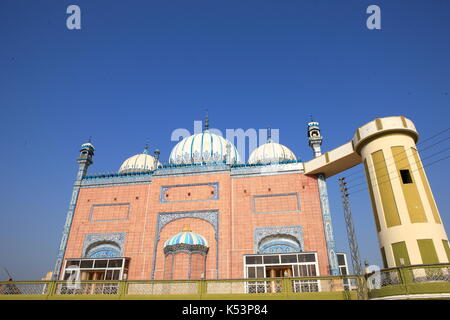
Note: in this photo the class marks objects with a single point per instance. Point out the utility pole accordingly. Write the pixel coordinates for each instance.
(7, 272)
(352, 242)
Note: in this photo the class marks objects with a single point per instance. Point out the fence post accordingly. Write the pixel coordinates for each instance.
(50, 290)
(201, 285)
(123, 289)
(405, 277)
(287, 287)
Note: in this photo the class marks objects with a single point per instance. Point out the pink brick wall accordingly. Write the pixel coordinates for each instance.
(236, 219)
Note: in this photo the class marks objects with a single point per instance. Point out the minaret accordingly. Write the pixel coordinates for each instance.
(228, 156)
(156, 157)
(314, 137)
(315, 141)
(84, 161)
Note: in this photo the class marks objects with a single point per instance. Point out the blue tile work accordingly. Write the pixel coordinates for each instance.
(266, 169)
(183, 170)
(211, 216)
(107, 180)
(238, 170)
(93, 242)
(262, 232)
(104, 251)
(82, 169)
(279, 246)
(164, 189)
(276, 195)
(327, 225)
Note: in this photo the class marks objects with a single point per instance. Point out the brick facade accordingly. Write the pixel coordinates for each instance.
(242, 203)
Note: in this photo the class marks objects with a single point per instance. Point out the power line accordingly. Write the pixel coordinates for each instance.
(391, 172)
(359, 177)
(420, 143)
(423, 166)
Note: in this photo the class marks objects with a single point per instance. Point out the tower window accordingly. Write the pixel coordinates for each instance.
(406, 176)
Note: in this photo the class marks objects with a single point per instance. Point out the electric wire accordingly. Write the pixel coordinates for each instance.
(420, 143)
(398, 176)
(361, 176)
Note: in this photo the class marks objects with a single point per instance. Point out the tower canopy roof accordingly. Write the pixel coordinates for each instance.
(187, 237)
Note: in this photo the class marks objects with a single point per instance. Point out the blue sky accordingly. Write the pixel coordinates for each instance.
(137, 70)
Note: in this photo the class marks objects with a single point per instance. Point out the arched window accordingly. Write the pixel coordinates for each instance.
(280, 243)
(103, 249)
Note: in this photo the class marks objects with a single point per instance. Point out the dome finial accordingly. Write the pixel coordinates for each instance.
(186, 228)
(206, 121)
(146, 148)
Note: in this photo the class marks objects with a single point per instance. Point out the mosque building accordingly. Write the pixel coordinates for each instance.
(208, 215)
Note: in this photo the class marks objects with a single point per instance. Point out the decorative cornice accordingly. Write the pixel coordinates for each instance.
(190, 248)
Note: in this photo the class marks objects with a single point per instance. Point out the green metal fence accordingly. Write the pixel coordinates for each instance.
(423, 281)
(409, 282)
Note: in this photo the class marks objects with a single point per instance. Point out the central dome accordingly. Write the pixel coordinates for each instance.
(203, 147)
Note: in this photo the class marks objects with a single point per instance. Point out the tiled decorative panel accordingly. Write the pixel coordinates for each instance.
(295, 232)
(98, 240)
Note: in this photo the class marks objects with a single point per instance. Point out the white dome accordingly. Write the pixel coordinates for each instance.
(139, 162)
(271, 152)
(203, 147)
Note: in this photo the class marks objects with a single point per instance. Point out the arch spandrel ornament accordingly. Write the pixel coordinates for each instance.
(99, 245)
(283, 237)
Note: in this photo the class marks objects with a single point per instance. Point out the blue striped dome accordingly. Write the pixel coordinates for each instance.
(187, 237)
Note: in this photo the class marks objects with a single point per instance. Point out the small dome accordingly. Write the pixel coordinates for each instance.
(203, 147)
(188, 238)
(271, 152)
(87, 145)
(139, 162)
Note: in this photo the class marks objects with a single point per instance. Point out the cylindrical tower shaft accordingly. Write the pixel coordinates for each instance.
(410, 230)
